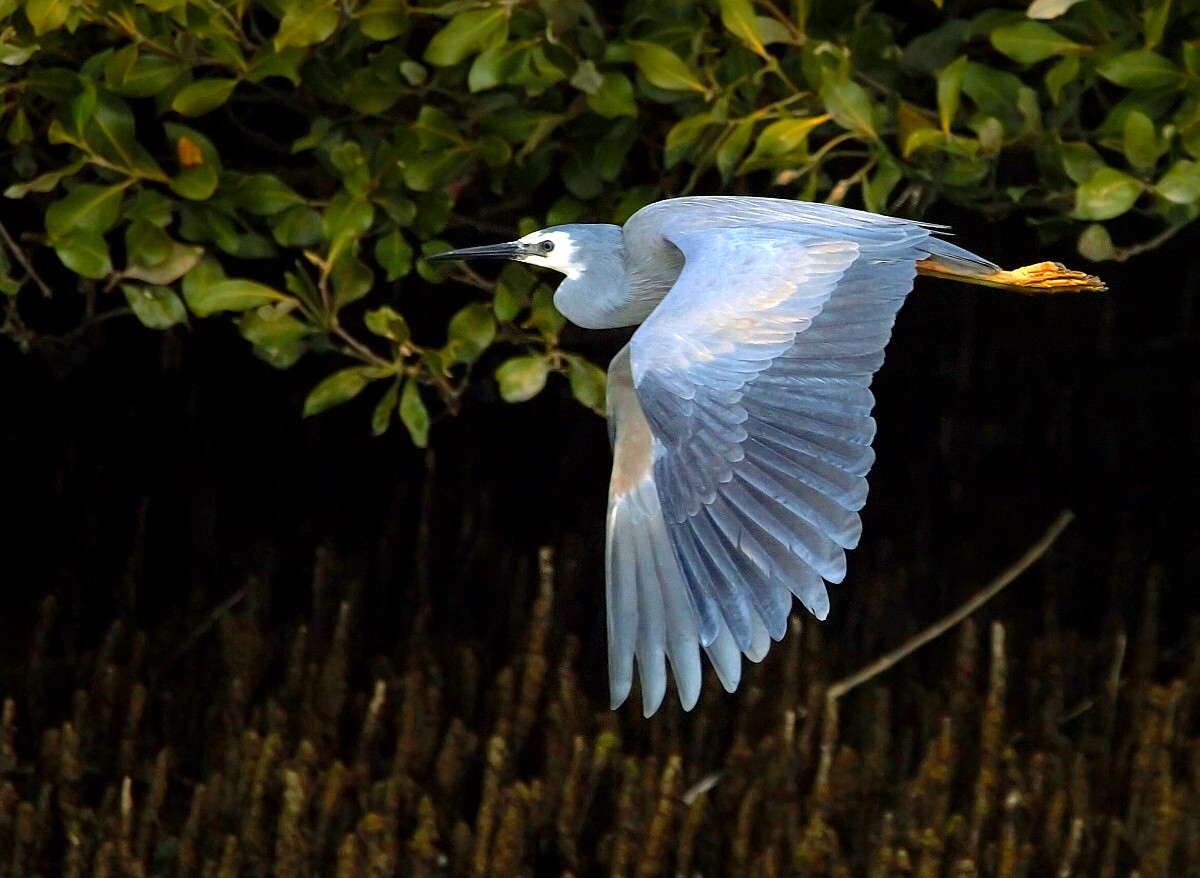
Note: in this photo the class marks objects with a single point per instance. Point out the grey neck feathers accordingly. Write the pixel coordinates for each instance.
(605, 293)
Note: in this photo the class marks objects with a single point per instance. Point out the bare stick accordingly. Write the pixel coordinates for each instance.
(20, 256)
(940, 627)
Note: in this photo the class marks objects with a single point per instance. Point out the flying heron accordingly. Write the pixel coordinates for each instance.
(740, 410)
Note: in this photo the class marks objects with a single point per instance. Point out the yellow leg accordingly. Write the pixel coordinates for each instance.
(1044, 277)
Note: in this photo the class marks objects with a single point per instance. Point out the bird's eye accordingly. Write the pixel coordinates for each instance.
(546, 246)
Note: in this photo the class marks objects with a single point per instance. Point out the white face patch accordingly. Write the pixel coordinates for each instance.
(557, 256)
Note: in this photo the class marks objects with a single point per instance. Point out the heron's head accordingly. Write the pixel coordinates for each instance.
(591, 255)
(570, 249)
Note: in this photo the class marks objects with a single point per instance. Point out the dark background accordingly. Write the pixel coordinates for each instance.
(151, 477)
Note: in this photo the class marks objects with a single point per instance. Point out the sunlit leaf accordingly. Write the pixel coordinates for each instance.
(1031, 41)
(48, 15)
(155, 306)
(850, 106)
(949, 89)
(1106, 194)
(381, 417)
(307, 22)
(522, 378)
(85, 253)
(1180, 184)
(1141, 69)
(467, 34)
(587, 383)
(1048, 9)
(203, 96)
(664, 69)
(87, 208)
(471, 331)
(207, 293)
(413, 414)
(1095, 244)
(738, 18)
(340, 387)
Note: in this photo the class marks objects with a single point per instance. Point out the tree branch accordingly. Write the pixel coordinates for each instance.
(940, 627)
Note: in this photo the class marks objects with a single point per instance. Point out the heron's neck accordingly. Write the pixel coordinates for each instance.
(597, 295)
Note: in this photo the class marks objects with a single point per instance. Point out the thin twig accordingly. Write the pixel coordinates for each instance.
(203, 628)
(940, 627)
(20, 256)
(357, 349)
(1121, 254)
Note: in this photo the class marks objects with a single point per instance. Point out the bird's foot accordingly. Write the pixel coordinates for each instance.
(1046, 277)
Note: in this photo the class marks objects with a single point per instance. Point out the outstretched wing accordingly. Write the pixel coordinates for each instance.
(650, 614)
(752, 377)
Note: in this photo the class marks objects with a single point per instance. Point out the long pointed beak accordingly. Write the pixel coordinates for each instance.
(507, 250)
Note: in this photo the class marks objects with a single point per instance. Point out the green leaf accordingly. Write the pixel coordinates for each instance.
(1047, 9)
(352, 279)
(1156, 18)
(180, 259)
(1063, 72)
(307, 22)
(386, 323)
(265, 195)
(394, 255)
(1181, 184)
(586, 77)
(381, 418)
(19, 130)
(202, 96)
(614, 97)
(738, 18)
(347, 218)
(522, 378)
(1028, 42)
(733, 147)
(197, 183)
(87, 208)
(467, 34)
(141, 76)
(949, 90)
(336, 389)
(1140, 142)
(587, 383)
(543, 316)
(206, 294)
(1095, 243)
(12, 55)
(146, 244)
(1141, 69)
(784, 136)
(413, 414)
(1080, 160)
(48, 15)
(298, 227)
(682, 138)
(850, 106)
(46, 182)
(156, 307)
(1107, 194)
(382, 20)
(471, 332)
(499, 64)
(664, 69)
(85, 253)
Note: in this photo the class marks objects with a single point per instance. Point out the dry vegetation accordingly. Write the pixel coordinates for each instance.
(305, 760)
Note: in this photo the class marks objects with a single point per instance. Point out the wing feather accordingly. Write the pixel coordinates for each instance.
(741, 412)
(755, 384)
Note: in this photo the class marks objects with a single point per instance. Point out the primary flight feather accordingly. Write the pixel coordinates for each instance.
(740, 410)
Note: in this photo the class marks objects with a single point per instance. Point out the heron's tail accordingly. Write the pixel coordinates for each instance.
(949, 261)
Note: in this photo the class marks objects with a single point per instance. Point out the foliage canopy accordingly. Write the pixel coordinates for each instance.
(288, 165)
